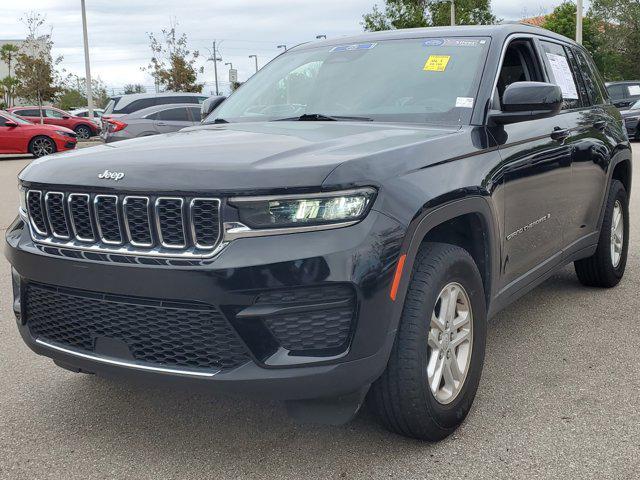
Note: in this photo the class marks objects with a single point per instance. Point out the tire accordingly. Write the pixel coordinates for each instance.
(42, 145)
(402, 397)
(600, 269)
(83, 132)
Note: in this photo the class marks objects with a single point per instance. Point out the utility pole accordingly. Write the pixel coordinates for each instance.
(579, 21)
(86, 60)
(255, 57)
(215, 60)
(453, 13)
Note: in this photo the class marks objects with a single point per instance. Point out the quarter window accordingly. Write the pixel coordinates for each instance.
(589, 77)
(561, 73)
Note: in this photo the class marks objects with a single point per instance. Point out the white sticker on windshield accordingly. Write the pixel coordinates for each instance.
(562, 74)
(464, 102)
(634, 89)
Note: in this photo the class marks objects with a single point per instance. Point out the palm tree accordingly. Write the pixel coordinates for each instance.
(8, 53)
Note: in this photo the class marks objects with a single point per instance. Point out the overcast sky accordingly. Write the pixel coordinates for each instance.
(118, 29)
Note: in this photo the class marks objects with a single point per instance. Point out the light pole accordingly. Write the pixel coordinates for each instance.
(86, 60)
(283, 46)
(453, 13)
(255, 57)
(318, 37)
(215, 59)
(579, 21)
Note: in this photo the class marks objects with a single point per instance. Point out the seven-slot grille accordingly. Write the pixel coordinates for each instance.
(137, 223)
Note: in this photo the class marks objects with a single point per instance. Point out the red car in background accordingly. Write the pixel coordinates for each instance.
(18, 135)
(83, 127)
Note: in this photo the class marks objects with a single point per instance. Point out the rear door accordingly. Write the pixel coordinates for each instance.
(173, 119)
(536, 167)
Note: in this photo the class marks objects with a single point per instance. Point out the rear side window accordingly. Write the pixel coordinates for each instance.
(589, 77)
(27, 113)
(137, 105)
(195, 113)
(561, 73)
(175, 115)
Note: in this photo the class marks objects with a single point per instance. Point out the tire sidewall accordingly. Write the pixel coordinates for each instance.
(449, 416)
(53, 144)
(619, 194)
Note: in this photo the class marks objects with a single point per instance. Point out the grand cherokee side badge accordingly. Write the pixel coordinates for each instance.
(107, 175)
(529, 226)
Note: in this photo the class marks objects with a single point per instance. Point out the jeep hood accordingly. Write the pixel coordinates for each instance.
(230, 157)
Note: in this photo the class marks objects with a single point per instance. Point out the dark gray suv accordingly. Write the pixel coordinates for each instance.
(624, 94)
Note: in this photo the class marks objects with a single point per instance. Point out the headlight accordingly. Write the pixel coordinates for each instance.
(66, 134)
(291, 211)
(23, 199)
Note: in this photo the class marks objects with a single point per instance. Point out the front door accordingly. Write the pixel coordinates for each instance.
(536, 166)
(173, 119)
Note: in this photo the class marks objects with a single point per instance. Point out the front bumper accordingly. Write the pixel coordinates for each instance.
(361, 257)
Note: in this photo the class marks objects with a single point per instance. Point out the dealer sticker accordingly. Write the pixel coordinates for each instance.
(437, 63)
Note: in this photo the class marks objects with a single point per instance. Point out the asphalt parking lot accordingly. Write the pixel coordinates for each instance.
(559, 398)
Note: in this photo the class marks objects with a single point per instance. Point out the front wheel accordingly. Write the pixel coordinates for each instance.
(606, 266)
(41, 146)
(434, 369)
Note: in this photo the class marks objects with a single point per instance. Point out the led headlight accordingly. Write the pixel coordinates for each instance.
(290, 211)
(66, 134)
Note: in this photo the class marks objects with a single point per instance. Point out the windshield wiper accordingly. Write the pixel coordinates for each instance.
(319, 117)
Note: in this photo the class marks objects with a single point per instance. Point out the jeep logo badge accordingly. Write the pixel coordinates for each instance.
(107, 175)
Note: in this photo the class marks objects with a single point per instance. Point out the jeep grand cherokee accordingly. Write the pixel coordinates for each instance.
(339, 229)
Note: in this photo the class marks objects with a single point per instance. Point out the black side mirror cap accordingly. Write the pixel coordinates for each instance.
(11, 124)
(524, 101)
(210, 104)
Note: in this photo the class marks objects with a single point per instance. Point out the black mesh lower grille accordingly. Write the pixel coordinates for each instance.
(155, 332)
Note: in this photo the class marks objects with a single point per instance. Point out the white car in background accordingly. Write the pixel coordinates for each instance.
(84, 112)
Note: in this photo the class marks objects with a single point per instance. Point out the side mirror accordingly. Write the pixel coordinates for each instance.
(11, 124)
(210, 104)
(524, 101)
(66, 117)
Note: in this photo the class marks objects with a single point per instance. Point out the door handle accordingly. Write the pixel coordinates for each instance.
(560, 134)
(600, 124)
(161, 124)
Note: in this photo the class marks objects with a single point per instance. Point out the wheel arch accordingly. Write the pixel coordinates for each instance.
(468, 223)
(41, 135)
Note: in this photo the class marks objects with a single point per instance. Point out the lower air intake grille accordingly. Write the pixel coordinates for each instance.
(194, 336)
(320, 318)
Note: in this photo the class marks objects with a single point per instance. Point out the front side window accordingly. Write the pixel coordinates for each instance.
(616, 92)
(562, 74)
(408, 80)
(50, 113)
(520, 64)
(175, 115)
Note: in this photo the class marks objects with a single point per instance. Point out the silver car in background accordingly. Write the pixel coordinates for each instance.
(152, 121)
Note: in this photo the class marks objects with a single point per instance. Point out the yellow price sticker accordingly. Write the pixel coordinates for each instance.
(437, 63)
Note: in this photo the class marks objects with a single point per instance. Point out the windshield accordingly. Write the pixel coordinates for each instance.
(15, 118)
(409, 80)
(112, 103)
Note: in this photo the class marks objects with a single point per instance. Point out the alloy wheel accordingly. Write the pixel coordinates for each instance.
(42, 147)
(617, 234)
(83, 133)
(450, 342)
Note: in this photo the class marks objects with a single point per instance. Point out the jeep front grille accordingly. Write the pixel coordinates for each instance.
(126, 224)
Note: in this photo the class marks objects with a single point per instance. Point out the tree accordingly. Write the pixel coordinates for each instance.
(424, 13)
(563, 21)
(134, 88)
(619, 33)
(8, 87)
(38, 80)
(8, 53)
(173, 65)
(73, 94)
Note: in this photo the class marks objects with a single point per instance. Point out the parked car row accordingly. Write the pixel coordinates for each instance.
(18, 136)
(83, 127)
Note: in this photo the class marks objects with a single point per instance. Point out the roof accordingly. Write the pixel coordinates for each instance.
(500, 32)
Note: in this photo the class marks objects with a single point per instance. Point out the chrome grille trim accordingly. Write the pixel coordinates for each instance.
(96, 211)
(127, 225)
(194, 234)
(72, 221)
(47, 196)
(208, 224)
(158, 202)
(32, 223)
